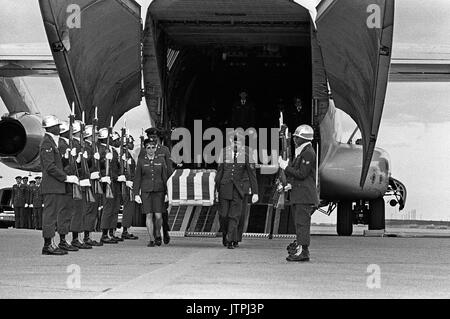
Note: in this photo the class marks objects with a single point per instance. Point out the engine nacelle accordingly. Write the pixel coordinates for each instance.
(20, 138)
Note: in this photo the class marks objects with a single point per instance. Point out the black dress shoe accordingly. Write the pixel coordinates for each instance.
(92, 243)
(107, 240)
(117, 238)
(235, 244)
(80, 245)
(151, 244)
(304, 256)
(230, 245)
(50, 250)
(158, 241)
(166, 238)
(65, 246)
(129, 236)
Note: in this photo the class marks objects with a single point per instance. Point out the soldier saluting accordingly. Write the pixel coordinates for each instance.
(54, 181)
(301, 174)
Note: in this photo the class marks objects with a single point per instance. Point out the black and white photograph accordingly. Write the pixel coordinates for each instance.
(224, 152)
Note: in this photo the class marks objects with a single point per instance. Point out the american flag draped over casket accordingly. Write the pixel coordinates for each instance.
(191, 187)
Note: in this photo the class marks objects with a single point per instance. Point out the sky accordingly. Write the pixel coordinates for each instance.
(416, 121)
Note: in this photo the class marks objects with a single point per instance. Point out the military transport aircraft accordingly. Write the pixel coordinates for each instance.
(195, 52)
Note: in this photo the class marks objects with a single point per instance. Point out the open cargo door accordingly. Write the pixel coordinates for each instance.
(96, 46)
(355, 38)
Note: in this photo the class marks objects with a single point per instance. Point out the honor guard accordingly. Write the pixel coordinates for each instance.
(18, 200)
(54, 181)
(110, 167)
(301, 174)
(37, 202)
(161, 152)
(231, 184)
(92, 208)
(129, 205)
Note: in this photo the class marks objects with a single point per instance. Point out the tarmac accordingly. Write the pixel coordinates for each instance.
(414, 265)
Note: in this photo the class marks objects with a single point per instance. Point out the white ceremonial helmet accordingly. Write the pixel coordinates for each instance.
(103, 133)
(63, 127)
(50, 121)
(305, 132)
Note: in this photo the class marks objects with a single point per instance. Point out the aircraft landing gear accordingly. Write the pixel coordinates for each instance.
(345, 218)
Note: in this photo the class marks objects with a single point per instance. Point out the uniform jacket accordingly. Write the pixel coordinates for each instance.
(301, 173)
(26, 193)
(238, 173)
(18, 196)
(162, 152)
(113, 164)
(129, 174)
(150, 175)
(36, 196)
(53, 175)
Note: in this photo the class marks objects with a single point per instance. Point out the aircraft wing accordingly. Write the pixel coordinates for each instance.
(357, 59)
(99, 59)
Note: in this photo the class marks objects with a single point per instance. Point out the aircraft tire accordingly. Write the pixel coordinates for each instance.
(345, 218)
(377, 214)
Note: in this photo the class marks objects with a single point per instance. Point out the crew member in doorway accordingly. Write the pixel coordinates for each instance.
(243, 113)
(301, 174)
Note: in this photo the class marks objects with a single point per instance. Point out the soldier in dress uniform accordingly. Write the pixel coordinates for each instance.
(18, 202)
(111, 206)
(92, 208)
(234, 168)
(54, 181)
(27, 211)
(301, 174)
(129, 205)
(37, 202)
(162, 152)
(150, 188)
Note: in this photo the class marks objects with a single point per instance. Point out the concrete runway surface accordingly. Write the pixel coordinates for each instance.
(340, 267)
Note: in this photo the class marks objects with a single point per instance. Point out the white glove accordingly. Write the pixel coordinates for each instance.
(85, 183)
(12, 205)
(129, 184)
(283, 164)
(72, 179)
(97, 156)
(166, 199)
(26, 205)
(66, 154)
(95, 175)
(73, 152)
(129, 161)
(217, 196)
(122, 179)
(255, 198)
(100, 208)
(79, 158)
(288, 187)
(109, 156)
(106, 179)
(124, 157)
(85, 155)
(31, 205)
(138, 199)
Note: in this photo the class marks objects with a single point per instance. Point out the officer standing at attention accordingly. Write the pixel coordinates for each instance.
(54, 181)
(18, 200)
(27, 211)
(301, 174)
(37, 202)
(234, 168)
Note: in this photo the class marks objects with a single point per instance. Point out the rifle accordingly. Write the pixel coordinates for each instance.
(84, 164)
(109, 193)
(127, 162)
(97, 186)
(279, 195)
(142, 139)
(121, 156)
(76, 189)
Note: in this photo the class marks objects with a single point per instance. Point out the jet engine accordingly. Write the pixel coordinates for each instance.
(20, 138)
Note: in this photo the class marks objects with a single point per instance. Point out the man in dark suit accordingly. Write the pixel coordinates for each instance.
(243, 113)
(301, 174)
(18, 200)
(54, 181)
(234, 168)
